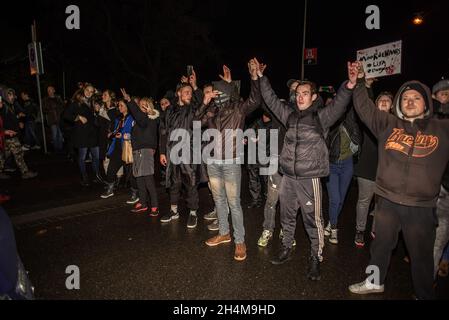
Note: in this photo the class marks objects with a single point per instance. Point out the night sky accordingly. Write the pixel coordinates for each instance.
(236, 31)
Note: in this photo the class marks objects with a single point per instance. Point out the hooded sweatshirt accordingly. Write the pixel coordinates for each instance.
(412, 155)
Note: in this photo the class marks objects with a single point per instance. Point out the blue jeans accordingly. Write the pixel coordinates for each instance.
(57, 138)
(337, 187)
(225, 183)
(95, 152)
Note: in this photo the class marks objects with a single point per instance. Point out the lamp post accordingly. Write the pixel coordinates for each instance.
(304, 40)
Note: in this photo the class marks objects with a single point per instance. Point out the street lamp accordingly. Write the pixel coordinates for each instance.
(418, 19)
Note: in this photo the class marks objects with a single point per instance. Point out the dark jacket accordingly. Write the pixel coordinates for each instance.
(230, 117)
(83, 135)
(10, 119)
(31, 110)
(412, 156)
(366, 166)
(178, 117)
(53, 107)
(144, 132)
(349, 123)
(442, 112)
(305, 154)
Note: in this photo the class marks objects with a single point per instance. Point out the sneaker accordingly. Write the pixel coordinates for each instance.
(240, 252)
(313, 272)
(366, 287)
(154, 213)
(25, 148)
(281, 236)
(36, 147)
(29, 175)
(139, 208)
(109, 192)
(192, 221)
(217, 240)
(327, 230)
(213, 226)
(134, 198)
(334, 236)
(211, 215)
(359, 239)
(169, 217)
(284, 255)
(265, 238)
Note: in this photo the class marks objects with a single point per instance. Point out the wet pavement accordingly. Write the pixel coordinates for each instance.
(122, 255)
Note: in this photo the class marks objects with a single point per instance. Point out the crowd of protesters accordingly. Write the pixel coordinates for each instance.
(396, 146)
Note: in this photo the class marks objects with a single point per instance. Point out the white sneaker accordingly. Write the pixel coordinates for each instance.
(25, 148)
(327, 230)
(334, 236)
(366, 287)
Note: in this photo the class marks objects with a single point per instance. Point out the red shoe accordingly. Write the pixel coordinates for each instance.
(4, 198)
(154, 212)
(139, 208)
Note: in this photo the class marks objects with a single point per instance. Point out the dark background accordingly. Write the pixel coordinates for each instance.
(145, 45)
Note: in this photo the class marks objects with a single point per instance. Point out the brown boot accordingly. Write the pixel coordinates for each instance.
(240, 252)
(217, 240)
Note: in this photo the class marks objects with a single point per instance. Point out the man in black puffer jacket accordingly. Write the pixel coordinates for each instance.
(303, 161)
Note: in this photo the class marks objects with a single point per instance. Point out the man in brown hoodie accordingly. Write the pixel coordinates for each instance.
(413, 153)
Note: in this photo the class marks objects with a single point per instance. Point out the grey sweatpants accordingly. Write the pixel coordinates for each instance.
(304, 194)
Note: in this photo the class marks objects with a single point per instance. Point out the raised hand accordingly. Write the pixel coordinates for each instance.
(226, 74)
(209, 96)
(260, 67)
(353, 72)
(192, 80)
(184, 79)
(253, 67)
(125, 95)
(163, 160)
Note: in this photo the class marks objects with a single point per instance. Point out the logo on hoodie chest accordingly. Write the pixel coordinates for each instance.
(424, 145)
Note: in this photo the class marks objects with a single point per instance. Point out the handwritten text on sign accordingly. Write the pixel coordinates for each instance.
(384, 60)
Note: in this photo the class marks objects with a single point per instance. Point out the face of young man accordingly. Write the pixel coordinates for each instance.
(413, 105)
(51, 92)
(185, 95)
(442, 96)
(384, 103)
(304, 97)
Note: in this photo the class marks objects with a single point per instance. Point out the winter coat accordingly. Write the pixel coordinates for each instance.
(412, 155)
(305, 153)
(83, 135)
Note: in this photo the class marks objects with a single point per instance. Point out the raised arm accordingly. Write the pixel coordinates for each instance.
(335, 110)
(371, 116)
(280, 109)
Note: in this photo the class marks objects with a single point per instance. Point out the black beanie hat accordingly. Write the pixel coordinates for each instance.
(417, 87)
